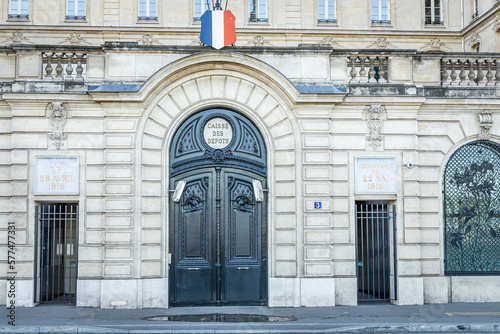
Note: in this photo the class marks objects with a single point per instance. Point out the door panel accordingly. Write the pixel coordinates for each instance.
(243, 227)
(192, 274)
(233, 271)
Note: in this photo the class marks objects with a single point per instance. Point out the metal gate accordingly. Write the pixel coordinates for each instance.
(57, 252)
(375, 247)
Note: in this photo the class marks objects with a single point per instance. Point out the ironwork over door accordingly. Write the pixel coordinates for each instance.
(57, 240)
(375, 249)
(217, 220)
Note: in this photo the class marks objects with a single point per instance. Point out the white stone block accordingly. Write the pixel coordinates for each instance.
(117, 253)
(475, 289)
(94, 237)
(317, 292)
(436, 290)
(346, 291)
(95, 67)
(410, 291)
(150, 296)
(89, 293)
(118, 173)
(318, 253)
(317, 220)
(285, 143)
(285, 205)
(317, 157)
(118, 221)
(151, 253)
(285, 221)
(118, 237)
(119, 294)
(151, 220)
(218, 85)
(318, 269)
(285, 189)
(151, 204)
(285, 157)
(269, 110)
(315, 67)
(400, 69)
(29, 66)
(284, 292)
(117, 269)
(286, 269)
(25, 290)
(7, 67)
(318, 237)
(317, 173)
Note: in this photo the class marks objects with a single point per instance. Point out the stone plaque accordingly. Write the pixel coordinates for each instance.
(375, 176)
(218, 133)
(57, 176)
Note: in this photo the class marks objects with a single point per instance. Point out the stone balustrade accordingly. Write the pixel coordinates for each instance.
(470, 71)
(368, 69)
(64, 65)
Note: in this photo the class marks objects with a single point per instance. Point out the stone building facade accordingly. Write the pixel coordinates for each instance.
(318, 101)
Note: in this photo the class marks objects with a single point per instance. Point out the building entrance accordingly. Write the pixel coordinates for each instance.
(56, 237)
(375, 245)
(218, 211)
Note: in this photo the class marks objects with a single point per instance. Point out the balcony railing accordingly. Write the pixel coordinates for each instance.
(368, 69)
(470, 72)
(64, 65)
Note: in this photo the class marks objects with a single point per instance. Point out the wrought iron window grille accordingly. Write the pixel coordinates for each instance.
(435, 22)
(327, 21)
(381, 21)
(18, 16)
(73, 17)
(471, 193)
(147, 18)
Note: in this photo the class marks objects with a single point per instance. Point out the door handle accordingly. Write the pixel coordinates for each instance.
(193, 269)
(242, 268)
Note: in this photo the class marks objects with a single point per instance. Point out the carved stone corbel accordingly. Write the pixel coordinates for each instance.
(485, 120)
(375, 116)
(58, 114)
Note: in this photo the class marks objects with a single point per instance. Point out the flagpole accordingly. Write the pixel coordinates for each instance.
(226, 4)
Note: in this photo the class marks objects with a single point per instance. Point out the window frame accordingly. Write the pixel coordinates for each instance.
(326, 4)
(203, 5)
(148, 17)
(475, 9)
(19, 15)
(77, 10)
(380, 6)
(432, 9)
(257, 4)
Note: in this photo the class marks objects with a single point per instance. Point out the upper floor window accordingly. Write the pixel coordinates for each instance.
(326, 11)
(433, 12)
(200, 6)
(18, 9)
(475, 9)
(147, 10)
(258, 11)
(75, 10)
(380, 11)
(471, 191)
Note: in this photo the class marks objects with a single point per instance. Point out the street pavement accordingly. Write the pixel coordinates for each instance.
(365, 318)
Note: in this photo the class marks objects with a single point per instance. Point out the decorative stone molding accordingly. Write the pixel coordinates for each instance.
(435, 44)
(496, 27)
(75, 39)
(148, 39)
(16, 38)
(474, 40)
(58, 115)
(375, 116)
(328, 40)
(381, 43)
(259, 40)
(485, 120)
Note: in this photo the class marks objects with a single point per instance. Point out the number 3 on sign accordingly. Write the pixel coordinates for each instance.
(317, 205)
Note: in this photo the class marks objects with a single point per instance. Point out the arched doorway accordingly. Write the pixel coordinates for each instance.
(218, 211)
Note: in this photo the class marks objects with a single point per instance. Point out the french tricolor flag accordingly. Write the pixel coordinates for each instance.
(217, 28)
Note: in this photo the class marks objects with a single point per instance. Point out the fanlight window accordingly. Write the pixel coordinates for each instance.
(472, 210)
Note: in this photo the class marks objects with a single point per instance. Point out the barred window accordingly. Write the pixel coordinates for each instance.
(326, 11)
(200, 6)
(380, 12)
(433, 12)
(18, 9)
(75, 10)
(147, 10)
(258, 11)
(472, 210)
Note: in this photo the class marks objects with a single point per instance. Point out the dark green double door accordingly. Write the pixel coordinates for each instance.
(218, 240)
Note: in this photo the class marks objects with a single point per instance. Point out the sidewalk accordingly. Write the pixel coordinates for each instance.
(366, 318)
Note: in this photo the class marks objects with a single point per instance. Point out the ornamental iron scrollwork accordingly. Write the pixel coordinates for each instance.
(472, 209)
